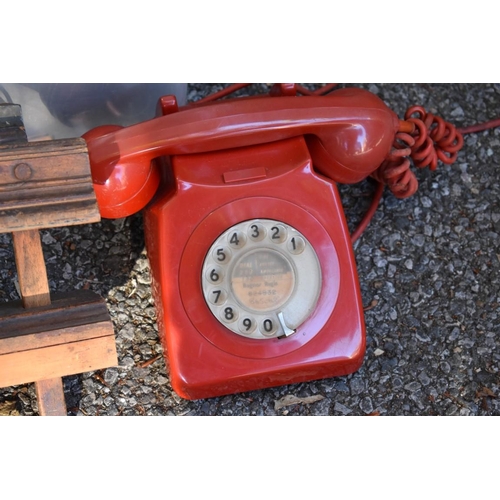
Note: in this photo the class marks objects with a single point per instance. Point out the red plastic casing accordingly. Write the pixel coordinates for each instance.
(202, 196)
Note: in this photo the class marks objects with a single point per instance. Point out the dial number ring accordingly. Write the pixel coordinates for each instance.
(271, 279)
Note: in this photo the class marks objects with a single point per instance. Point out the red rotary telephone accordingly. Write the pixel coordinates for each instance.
(254, 276)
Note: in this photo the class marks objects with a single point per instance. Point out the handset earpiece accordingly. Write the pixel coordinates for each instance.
(356, 147)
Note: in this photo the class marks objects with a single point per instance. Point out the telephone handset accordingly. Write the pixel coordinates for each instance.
(254, 277)
(348, 135)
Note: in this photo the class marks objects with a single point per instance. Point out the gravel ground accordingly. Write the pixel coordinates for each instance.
(429, 273)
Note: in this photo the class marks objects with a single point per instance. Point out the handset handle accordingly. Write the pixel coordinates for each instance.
(349, 133)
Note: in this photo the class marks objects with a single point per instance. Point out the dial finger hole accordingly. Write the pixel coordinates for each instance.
(214, 275)
(247, 325)
(229, 314)
(217, 296)
(296, 245)
(268, 327)
(257, 232)
(278, 233)
(236, 239)
(221, 255)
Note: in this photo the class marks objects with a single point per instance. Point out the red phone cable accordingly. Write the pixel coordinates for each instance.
(425, 138)
(223, 93)
(297, 89)
(480, 127)
(320, 91)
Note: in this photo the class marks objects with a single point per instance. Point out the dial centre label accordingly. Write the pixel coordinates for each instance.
(263, 280)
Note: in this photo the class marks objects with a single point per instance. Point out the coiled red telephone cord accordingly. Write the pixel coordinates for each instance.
(425, 138)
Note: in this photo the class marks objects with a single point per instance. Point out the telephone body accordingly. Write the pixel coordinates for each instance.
(254, 277)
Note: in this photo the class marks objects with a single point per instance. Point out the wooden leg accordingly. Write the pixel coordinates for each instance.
(50, 395)
(31, 269)
(34, 287)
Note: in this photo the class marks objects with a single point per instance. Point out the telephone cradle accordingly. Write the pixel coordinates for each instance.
(254, 277)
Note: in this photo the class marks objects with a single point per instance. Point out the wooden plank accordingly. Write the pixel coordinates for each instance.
(66, 335)
(31, 269)
(50, 395)
(57, 361)
(66, 310)
(46, 184)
